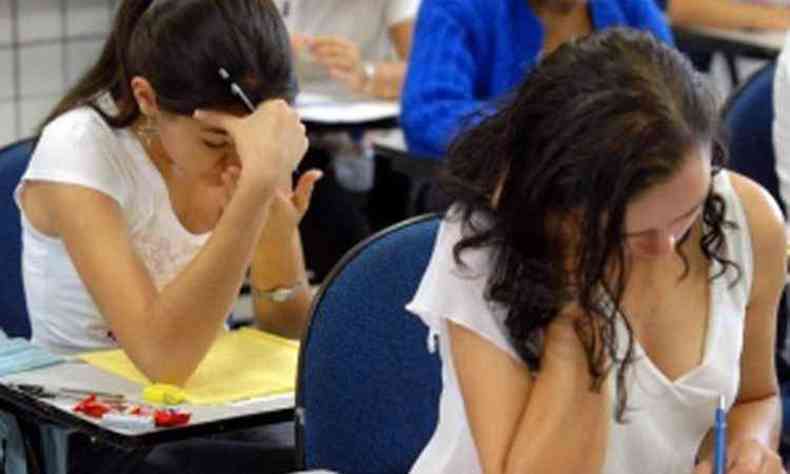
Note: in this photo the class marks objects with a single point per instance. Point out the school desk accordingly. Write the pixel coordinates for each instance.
(751, 43)
(328, 106)
(732, 43)
(205, 420)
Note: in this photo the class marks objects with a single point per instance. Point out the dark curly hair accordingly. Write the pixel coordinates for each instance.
(595, 124)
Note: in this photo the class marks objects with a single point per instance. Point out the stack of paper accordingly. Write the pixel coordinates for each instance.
(242, 364)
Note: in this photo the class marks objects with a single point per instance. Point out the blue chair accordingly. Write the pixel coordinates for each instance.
(748, 119)
(368, 389)
(13, 310)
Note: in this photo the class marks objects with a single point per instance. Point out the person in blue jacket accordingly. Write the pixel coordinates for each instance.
(467, 52)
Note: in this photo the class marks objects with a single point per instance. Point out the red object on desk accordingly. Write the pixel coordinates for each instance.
(91, 407)
(171, 417)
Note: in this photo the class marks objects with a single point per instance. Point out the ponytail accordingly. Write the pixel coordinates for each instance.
(109, 73)
(178, 46)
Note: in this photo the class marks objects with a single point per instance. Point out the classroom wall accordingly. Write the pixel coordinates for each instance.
(44, 46)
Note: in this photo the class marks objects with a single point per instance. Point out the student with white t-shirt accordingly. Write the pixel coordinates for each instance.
(153, 189)
(362, 44)
(343, 48)
(601, 281)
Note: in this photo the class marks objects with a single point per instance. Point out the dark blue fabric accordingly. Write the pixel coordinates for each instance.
(13, 309)
(662, 4)
(468, 52)
(368, 386)
(748, 118)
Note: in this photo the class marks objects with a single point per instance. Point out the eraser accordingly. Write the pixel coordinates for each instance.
(127, 422)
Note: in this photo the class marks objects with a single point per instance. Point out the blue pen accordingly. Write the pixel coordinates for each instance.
(720, 439)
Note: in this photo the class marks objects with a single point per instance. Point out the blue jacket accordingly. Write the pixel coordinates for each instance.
(466, 52)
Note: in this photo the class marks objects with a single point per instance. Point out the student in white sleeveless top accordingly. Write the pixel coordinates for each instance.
(601, 281)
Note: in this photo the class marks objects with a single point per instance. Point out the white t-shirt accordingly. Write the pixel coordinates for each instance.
(667, 419)
(364, 22)
(80, 148)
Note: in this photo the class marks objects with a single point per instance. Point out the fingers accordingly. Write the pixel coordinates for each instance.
(344, 63)
(304, 190)
(334, 52)
(751, 457)
(299, 41)
(747, 458)
(330, 43)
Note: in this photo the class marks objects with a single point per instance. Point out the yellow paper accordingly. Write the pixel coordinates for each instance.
(241, 364)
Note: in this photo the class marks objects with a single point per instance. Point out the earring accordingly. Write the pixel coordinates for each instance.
(148, 131)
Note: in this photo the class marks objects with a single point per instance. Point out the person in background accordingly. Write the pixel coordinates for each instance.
(468, 52)
(781, 125)
(729, 14)
(781, 141)
(725, 14)
(601, 281)
(153, 190)
(349, 49)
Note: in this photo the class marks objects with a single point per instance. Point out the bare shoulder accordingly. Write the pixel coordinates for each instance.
(767, 233)
(765, 219)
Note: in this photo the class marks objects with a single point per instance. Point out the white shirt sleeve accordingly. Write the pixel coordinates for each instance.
(781, 125)
(401, 10)
(79, 148)
(448, 292)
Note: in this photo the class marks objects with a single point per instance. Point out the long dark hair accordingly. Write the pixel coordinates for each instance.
(595, 124)
(178, 46)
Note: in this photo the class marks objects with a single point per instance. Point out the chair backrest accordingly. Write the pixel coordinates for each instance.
(13, 309)
(748, 118)
(368, 389)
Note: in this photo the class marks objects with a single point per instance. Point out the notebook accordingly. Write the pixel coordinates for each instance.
(19, 355)
(242, 364)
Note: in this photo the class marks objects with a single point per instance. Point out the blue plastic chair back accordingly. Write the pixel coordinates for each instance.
(748, 118)
(368, 389)
(13, 309)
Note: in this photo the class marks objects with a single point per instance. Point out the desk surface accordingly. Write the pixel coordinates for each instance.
(76, 374)
(330, 105)
(764, 44)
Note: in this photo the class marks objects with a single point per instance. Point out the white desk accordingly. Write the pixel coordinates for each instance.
(204, 420)
(746, 43)
(330, 105)
(769, 41)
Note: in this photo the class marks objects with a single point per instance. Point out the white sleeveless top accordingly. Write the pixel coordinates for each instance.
(80, 148)
(666, 421)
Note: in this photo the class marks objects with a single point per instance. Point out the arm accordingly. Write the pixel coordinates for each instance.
(179, 323)
(344, 61)
(279, 262)
(388, 76)
(754, 422)
(440, 84)
(522, 423)
(728, 14)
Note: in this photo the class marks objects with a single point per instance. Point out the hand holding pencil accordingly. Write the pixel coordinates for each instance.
(747, 457)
